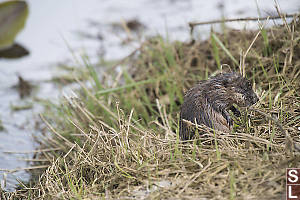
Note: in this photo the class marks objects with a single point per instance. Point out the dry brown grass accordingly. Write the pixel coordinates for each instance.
(123, 143)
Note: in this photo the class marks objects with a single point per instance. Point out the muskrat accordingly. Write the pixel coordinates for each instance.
(209, 101)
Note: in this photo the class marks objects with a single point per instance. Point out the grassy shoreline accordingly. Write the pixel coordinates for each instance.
(118, 138)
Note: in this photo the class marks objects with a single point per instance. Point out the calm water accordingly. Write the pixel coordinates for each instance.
(54, 25)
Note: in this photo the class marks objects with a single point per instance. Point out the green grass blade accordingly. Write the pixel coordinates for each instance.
(215, 37)
(130, 85)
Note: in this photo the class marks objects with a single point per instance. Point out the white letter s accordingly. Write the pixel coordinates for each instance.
(293, 173)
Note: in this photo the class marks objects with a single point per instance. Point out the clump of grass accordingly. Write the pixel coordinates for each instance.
(118, 139)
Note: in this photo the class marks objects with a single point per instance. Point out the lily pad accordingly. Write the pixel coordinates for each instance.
(13, 15)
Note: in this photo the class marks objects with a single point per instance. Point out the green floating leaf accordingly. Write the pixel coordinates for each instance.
(13, 15)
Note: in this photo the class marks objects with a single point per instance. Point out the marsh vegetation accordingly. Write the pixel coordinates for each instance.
(117, 136)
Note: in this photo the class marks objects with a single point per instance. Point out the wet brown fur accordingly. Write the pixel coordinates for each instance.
(209, 101)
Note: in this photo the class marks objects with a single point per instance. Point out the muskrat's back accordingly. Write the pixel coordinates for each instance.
(209, 101)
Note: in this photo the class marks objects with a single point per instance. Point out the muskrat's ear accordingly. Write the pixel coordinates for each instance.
(226, 82)
(231, 77)
(236, 77)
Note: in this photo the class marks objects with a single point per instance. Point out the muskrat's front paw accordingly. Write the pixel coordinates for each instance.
(229, 121)
(227, 117)
(235, 111)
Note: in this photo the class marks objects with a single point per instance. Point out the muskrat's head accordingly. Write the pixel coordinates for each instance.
(240, 88)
